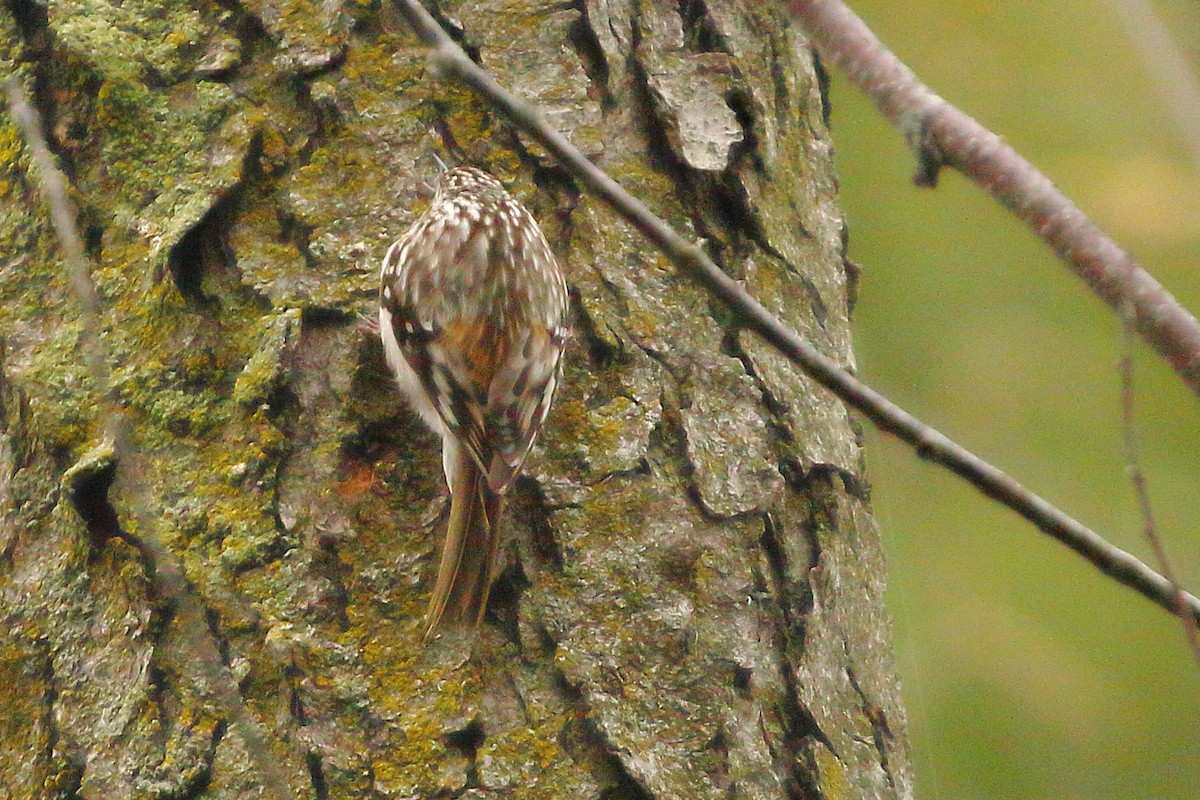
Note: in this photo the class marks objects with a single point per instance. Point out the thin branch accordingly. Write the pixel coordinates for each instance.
(1167, 68)
(941, 135)
(448, 60)
(1137, 477)
(170, 581)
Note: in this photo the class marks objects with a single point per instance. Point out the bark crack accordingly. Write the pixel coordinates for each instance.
(467, 740)
(799, 725)
(583, 38)
(56, 753)
(881, 733)
(88, 483)
(196, 779)
(529, 506)
(587, 744)
(731, 345)
(661, 154)
(203, 250)
(316, 775)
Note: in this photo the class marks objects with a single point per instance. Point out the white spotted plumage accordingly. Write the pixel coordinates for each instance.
(472, 315)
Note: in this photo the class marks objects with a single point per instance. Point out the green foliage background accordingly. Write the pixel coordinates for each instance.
(1026, 674)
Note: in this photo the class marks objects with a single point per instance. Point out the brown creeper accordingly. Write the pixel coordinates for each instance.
(472, 313)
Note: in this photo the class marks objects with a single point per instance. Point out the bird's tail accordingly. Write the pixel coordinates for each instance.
(465, 576)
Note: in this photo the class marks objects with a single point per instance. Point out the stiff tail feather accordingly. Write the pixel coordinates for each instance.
(468, 565)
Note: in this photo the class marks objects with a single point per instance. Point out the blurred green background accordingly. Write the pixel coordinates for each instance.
(1026, 674)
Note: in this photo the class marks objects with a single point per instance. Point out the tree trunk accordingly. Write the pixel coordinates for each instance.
(692, 603)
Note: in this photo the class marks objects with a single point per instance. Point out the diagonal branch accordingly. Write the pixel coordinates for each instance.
(448, 60)
(941, 135)
(1141, 489)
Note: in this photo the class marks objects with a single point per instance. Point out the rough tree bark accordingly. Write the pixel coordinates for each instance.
(692, 604)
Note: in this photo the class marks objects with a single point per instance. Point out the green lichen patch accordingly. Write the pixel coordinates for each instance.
(263, 373)
(528, 748)
(26, 725)
(148, 162)
(170, 397)
(237, 196)
(597, 427)
(93, 469)
(268, 261)
(133, 41)
(421, 700)
(13, 165)
(310, 35)
(362, 165)
(667, 577)
(159, 148)
(59, 393)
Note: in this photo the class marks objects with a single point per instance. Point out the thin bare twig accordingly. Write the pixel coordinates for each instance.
(941, 135)
(448, 60)
(169, 580)
(1167, 68)
(1137, 477)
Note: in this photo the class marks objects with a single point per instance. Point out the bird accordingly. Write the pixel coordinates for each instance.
(473, 317)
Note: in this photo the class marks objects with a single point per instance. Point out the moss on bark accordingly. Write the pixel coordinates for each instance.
(692, 607)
